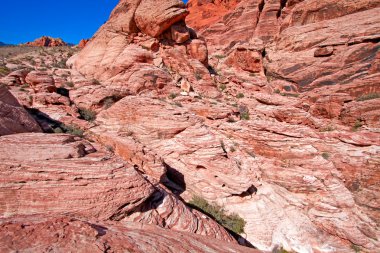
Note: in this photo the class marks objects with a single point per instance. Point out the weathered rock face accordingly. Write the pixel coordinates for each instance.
(126, 57)
(62, 174)
(46, 41)
(153, 17)
(293, 176)
(13, 117)
(44, 234)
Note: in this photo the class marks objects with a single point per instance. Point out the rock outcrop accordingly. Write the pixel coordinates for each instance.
(44, 234)
(13, 117)
(46, 41)
(145, 47)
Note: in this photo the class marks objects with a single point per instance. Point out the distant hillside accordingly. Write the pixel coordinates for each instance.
(3, 44)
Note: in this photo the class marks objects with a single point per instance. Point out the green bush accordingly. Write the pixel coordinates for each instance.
(325, 155)
(233, 222)
(222, 87)
(87, 114)
(74, 130)
(358, 124)
(244, 116)
(368, 97)
(240, 95)
(219, 56)
(173, 95)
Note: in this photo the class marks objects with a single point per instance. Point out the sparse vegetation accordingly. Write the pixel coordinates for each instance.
(173, 95)
(328, 128)
(244, 116)
(232, 222)
(355, 248)
(232, 149)
(69, 129)
(326, 155)
(358, 124)
(219, 56)
(222, 87)
(368, 97)
(4, 71)
(87, 114)
(240, 95)
(231, 120)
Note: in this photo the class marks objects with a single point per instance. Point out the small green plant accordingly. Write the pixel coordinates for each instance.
(222, 87)
(25, 86)
(232, 222)
(4, 71)
(69, 129)
(232, 149)
(368, 97)
(290, 95)
(173, 95)
(326, 155)
(87, 114)
(244, 116)
(355, 248)
(358, 124)
(240, 95)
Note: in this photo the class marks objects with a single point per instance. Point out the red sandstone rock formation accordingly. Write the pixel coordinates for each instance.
(13, 117)
(45, 234)
(83, 43)
(290, 144)
(46, 41)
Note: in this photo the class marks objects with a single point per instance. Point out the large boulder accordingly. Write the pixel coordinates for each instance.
(13, 117)
(154, 17)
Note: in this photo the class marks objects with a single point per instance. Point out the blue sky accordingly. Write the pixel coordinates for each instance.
(25, 20)
(72, 20)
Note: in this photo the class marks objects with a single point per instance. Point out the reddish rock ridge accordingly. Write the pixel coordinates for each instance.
(65, 234)
(13, 117)
(83, 43)
(46, 41)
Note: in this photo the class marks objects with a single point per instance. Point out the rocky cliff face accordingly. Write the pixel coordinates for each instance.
(268, 108)
(46, 41)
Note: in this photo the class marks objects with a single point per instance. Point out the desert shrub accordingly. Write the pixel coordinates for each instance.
(178, 104)
(368, 97)
(69, 129)
(244, 116)
(60, 64)
(325, 155)
(232, 149)
(240, 95)
(222, 87)
(173, 95)
(232, 222)
(219, 56)
(87, 114)
(358, 124)
(4, 71)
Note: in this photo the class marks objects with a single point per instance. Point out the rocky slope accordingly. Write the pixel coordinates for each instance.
(269, 109)
(47, 41)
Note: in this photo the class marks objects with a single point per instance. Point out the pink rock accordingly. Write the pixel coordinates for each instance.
(154, 17)
(13, 117)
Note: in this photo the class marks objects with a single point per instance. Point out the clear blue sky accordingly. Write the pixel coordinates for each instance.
(71, 20)
(25, 20)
